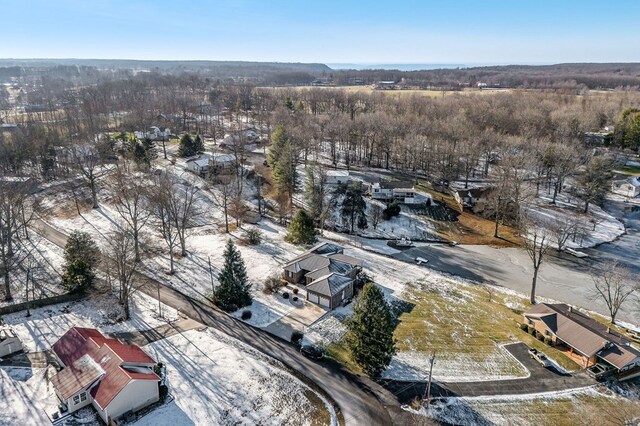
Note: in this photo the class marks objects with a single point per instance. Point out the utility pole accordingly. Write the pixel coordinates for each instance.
(27, 290)
(159, 302)
(432, 360)
(213, 286)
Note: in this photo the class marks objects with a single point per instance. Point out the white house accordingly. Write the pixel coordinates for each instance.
(199, 164)
(113, 377)
(627, 187)
(337, 177)
(154, 133)
(9, 342)
(222, 162)
(403, 192)
(247, 136)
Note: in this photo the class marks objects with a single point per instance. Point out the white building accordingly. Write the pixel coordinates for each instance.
(9, 342)
(199, 165)
(337, 177)
(154, 133)
(627, 187)
(402, 192)
(113, 377)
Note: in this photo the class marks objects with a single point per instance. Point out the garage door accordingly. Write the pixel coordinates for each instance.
(312, 297)
(324, 301)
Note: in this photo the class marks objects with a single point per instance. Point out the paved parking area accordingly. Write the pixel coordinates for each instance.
(298, 319)
(541, 379)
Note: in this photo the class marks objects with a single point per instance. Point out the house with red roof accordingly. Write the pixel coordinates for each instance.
(114, 377)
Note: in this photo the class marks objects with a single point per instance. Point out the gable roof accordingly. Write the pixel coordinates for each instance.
(396, 185)
(329, 285)
(88, 355)
(585, 334)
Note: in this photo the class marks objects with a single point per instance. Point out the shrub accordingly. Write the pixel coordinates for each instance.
(246, 314)
(285, 295)
(392, 210)
(524, 327)
(295, 298)
(532, 331)
(163, 391)
(295, 290)
(539, 336)
(272, 284)
(253, 236)
(296, 337)
(548, 341)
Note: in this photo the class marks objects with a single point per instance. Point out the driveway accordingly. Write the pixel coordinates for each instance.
(540, 380)
(297, 319)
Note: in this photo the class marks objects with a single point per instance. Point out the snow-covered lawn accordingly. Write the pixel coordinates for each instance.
(588, 406)
(25, 396)
(45, 268)
(217, 380)
(102, 311)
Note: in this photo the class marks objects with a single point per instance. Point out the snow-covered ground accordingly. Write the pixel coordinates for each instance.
(102, 311)
(45, 268)
(592, 228)
(26, 396)
(217, 380)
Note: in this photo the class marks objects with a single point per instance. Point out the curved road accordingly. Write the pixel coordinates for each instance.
(357, 397)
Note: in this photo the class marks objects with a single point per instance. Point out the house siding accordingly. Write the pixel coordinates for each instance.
(135, 396)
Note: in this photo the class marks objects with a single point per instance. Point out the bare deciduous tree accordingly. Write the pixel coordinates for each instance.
(124, 264)
(160, 200)
(536, 244)
(614, 285)
(132, 205)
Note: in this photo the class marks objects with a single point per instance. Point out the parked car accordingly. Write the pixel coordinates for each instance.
(312, 352)
(540, 357)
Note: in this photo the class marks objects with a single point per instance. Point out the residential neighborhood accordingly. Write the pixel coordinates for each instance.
(352, 214)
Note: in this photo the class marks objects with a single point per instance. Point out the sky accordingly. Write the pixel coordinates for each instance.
(327, 31)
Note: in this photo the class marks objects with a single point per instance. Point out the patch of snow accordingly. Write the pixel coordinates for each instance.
(218, 380)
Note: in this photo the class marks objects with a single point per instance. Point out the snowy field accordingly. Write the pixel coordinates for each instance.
(45, 268)
(102, 311)
(217, 380)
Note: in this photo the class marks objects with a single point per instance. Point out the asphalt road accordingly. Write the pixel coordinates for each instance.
(357, 397)
(565, 278)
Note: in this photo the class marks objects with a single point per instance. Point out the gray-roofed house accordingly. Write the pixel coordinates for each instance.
(594, 342)
(326, 272)
(403, 192)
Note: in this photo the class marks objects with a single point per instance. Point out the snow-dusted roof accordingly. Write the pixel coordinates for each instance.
(338, 173)
(330, 284)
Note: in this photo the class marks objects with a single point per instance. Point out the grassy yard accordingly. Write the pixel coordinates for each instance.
(463, 327)
(461, 321)
(587, 409)
(628, 170)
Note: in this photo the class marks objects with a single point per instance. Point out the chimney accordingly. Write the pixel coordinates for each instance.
(608, 330)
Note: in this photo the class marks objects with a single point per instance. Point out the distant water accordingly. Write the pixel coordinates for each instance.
(401, 67)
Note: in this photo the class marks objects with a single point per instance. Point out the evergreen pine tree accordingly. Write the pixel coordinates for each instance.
(81, 257)
(187, 146)
(370, 335)
(198, 144)
(283, 159)
(301, 229)
(353, 207)
(234, 289)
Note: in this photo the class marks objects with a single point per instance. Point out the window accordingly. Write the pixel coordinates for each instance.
(83, 396)
(547, 333)
(76, 399)
(531, 322)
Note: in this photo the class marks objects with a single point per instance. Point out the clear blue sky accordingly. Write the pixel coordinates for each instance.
(402, 31)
